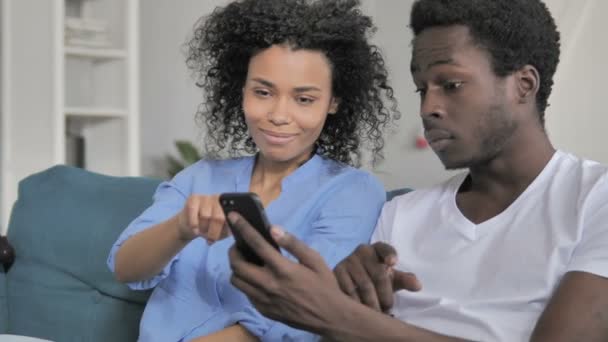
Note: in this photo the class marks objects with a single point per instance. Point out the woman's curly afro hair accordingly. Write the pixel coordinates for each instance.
(224, 42)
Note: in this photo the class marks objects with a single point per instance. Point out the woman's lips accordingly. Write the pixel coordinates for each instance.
(278, 138)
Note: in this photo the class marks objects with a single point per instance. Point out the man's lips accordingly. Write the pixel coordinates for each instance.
(438, 139)
(436, 134)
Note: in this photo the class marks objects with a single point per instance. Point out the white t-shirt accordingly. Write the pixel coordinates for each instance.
(491, 281)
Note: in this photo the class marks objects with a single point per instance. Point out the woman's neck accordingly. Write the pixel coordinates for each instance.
(268, 175)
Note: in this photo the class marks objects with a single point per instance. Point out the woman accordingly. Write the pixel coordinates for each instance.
(297, 87)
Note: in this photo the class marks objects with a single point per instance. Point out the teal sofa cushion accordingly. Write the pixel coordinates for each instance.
(396, 192)
(3, 305)
(62, 227)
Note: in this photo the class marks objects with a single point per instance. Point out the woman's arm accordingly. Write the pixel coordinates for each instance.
(146, 253)
(234, 333)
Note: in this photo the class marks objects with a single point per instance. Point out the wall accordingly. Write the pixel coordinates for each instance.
(2, 117)
(168, 95)
(577, 118)
(575, 121)
(404, 165)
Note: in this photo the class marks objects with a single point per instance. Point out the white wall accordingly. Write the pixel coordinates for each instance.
(575, 121)
(404, 165)
(168, 95)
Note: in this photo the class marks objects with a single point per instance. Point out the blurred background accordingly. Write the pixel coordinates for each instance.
(102, 84)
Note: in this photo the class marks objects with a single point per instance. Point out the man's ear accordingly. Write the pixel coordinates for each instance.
(333, 105)
(528, 82)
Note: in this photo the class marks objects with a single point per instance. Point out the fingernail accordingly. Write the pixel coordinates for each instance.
(392, 260)
(232, 217)
(276, 232)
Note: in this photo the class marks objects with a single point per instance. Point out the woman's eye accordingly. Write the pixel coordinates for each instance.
(262, 92)
(305, 100)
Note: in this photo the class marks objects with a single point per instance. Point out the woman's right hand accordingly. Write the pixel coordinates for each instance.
(202, 216)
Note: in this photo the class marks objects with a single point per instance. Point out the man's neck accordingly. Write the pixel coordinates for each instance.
(517, 165)
(492, 187)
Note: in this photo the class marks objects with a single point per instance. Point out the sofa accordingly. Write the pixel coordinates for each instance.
(61, 229)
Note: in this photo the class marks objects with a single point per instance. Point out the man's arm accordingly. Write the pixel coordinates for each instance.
(306, 295)
(360, 323)
(578, 310)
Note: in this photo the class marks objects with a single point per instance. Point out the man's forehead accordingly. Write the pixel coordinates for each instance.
(426, 58)
(438, 46)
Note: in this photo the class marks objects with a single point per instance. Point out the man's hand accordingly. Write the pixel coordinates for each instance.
(368, 276)
(304, 295)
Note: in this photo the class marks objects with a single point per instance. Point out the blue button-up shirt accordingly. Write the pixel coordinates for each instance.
(329, 206)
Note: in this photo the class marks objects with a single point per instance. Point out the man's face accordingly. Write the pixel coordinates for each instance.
(465, 107)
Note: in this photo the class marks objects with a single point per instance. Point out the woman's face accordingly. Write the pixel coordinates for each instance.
(286, 99)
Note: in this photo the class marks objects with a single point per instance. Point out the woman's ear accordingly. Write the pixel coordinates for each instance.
(333, 105)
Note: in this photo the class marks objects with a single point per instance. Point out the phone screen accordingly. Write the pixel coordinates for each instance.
(249, 206)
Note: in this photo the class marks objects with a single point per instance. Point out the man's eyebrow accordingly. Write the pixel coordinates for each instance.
(414, 67)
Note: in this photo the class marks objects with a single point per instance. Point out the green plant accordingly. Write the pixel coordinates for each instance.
(188, 155)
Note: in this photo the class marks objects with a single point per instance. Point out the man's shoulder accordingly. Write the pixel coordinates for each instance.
(576, 162)
(583, 174)
(424, 196)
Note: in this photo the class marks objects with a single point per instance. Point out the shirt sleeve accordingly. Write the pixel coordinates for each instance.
(168, 201)
(591, 254)
(384, 226)
(346, 220)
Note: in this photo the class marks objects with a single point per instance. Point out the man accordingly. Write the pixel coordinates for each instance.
(514, 249)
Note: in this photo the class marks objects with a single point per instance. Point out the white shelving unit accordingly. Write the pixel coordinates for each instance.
(55, 88)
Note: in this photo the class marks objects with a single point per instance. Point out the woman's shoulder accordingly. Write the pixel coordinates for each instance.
(208, 169)
(333, 168)
(354, 178)
(216, 165)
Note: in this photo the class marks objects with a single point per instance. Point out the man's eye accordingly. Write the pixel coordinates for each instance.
(421, 91)
(452, 85)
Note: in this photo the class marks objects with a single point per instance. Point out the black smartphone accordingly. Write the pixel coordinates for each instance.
(250, 207)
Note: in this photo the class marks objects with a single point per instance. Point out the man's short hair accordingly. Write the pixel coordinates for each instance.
(514, 32)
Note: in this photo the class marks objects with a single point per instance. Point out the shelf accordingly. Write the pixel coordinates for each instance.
(88, 87)
(95, 53)
(96, 112)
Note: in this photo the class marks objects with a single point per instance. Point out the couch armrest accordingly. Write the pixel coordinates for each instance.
(7, 253)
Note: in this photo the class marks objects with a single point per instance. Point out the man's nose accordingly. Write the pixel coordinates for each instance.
(432, 105)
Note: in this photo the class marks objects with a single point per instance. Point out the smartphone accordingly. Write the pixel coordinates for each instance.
(250, 207)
